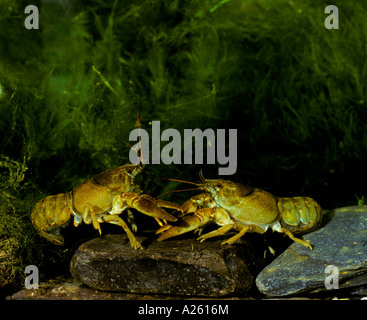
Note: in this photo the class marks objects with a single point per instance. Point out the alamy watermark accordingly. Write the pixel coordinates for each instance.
(331, 21)
(32, 279)
(180, 151)
(332, 280)
(32, 21)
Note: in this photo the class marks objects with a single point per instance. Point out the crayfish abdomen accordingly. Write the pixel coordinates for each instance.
(299, 214)
(51, 213)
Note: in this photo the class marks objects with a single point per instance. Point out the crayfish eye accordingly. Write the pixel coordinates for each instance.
(219, 186)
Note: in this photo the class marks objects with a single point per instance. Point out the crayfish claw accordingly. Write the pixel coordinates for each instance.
(163, 228)
(186, 224)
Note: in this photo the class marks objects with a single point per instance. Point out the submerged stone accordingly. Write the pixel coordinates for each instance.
(175, 267)
(341, 244)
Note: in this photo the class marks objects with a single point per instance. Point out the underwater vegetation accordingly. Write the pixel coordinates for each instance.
(295, 91)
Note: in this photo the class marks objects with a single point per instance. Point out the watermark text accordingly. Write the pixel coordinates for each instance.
(180, 151)
(32, 280)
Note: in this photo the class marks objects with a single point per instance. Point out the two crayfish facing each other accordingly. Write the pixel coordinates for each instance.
(231, 205)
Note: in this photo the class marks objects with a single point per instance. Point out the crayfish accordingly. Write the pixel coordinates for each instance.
(234, 206)
(99, 199)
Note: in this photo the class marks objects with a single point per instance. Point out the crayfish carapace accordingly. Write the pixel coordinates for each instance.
(234, 206)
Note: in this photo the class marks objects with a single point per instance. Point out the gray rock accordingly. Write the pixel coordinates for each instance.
(342, 242)
(175, 267)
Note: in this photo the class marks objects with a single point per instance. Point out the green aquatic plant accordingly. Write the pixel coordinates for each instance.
(362, 201)
(17, 237)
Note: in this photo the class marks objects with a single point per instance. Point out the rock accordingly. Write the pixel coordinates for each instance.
(174, 267)
(66, 288)
(342, 242)
(69, 289)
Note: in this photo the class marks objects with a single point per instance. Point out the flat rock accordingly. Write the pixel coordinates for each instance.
(342, 243)
(173, 267)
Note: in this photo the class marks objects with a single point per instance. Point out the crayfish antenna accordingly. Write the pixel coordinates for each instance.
(182, 190)
(141, 150)
(201, 175)
(183, 181)
(138, 148)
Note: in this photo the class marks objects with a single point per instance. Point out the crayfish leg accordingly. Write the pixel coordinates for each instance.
(131, 220)
(199, 230)
(219, 232)
(114, 219)
(77, 220)
(243, 231)
(237, 236)
(89, 211)
(290, 235)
